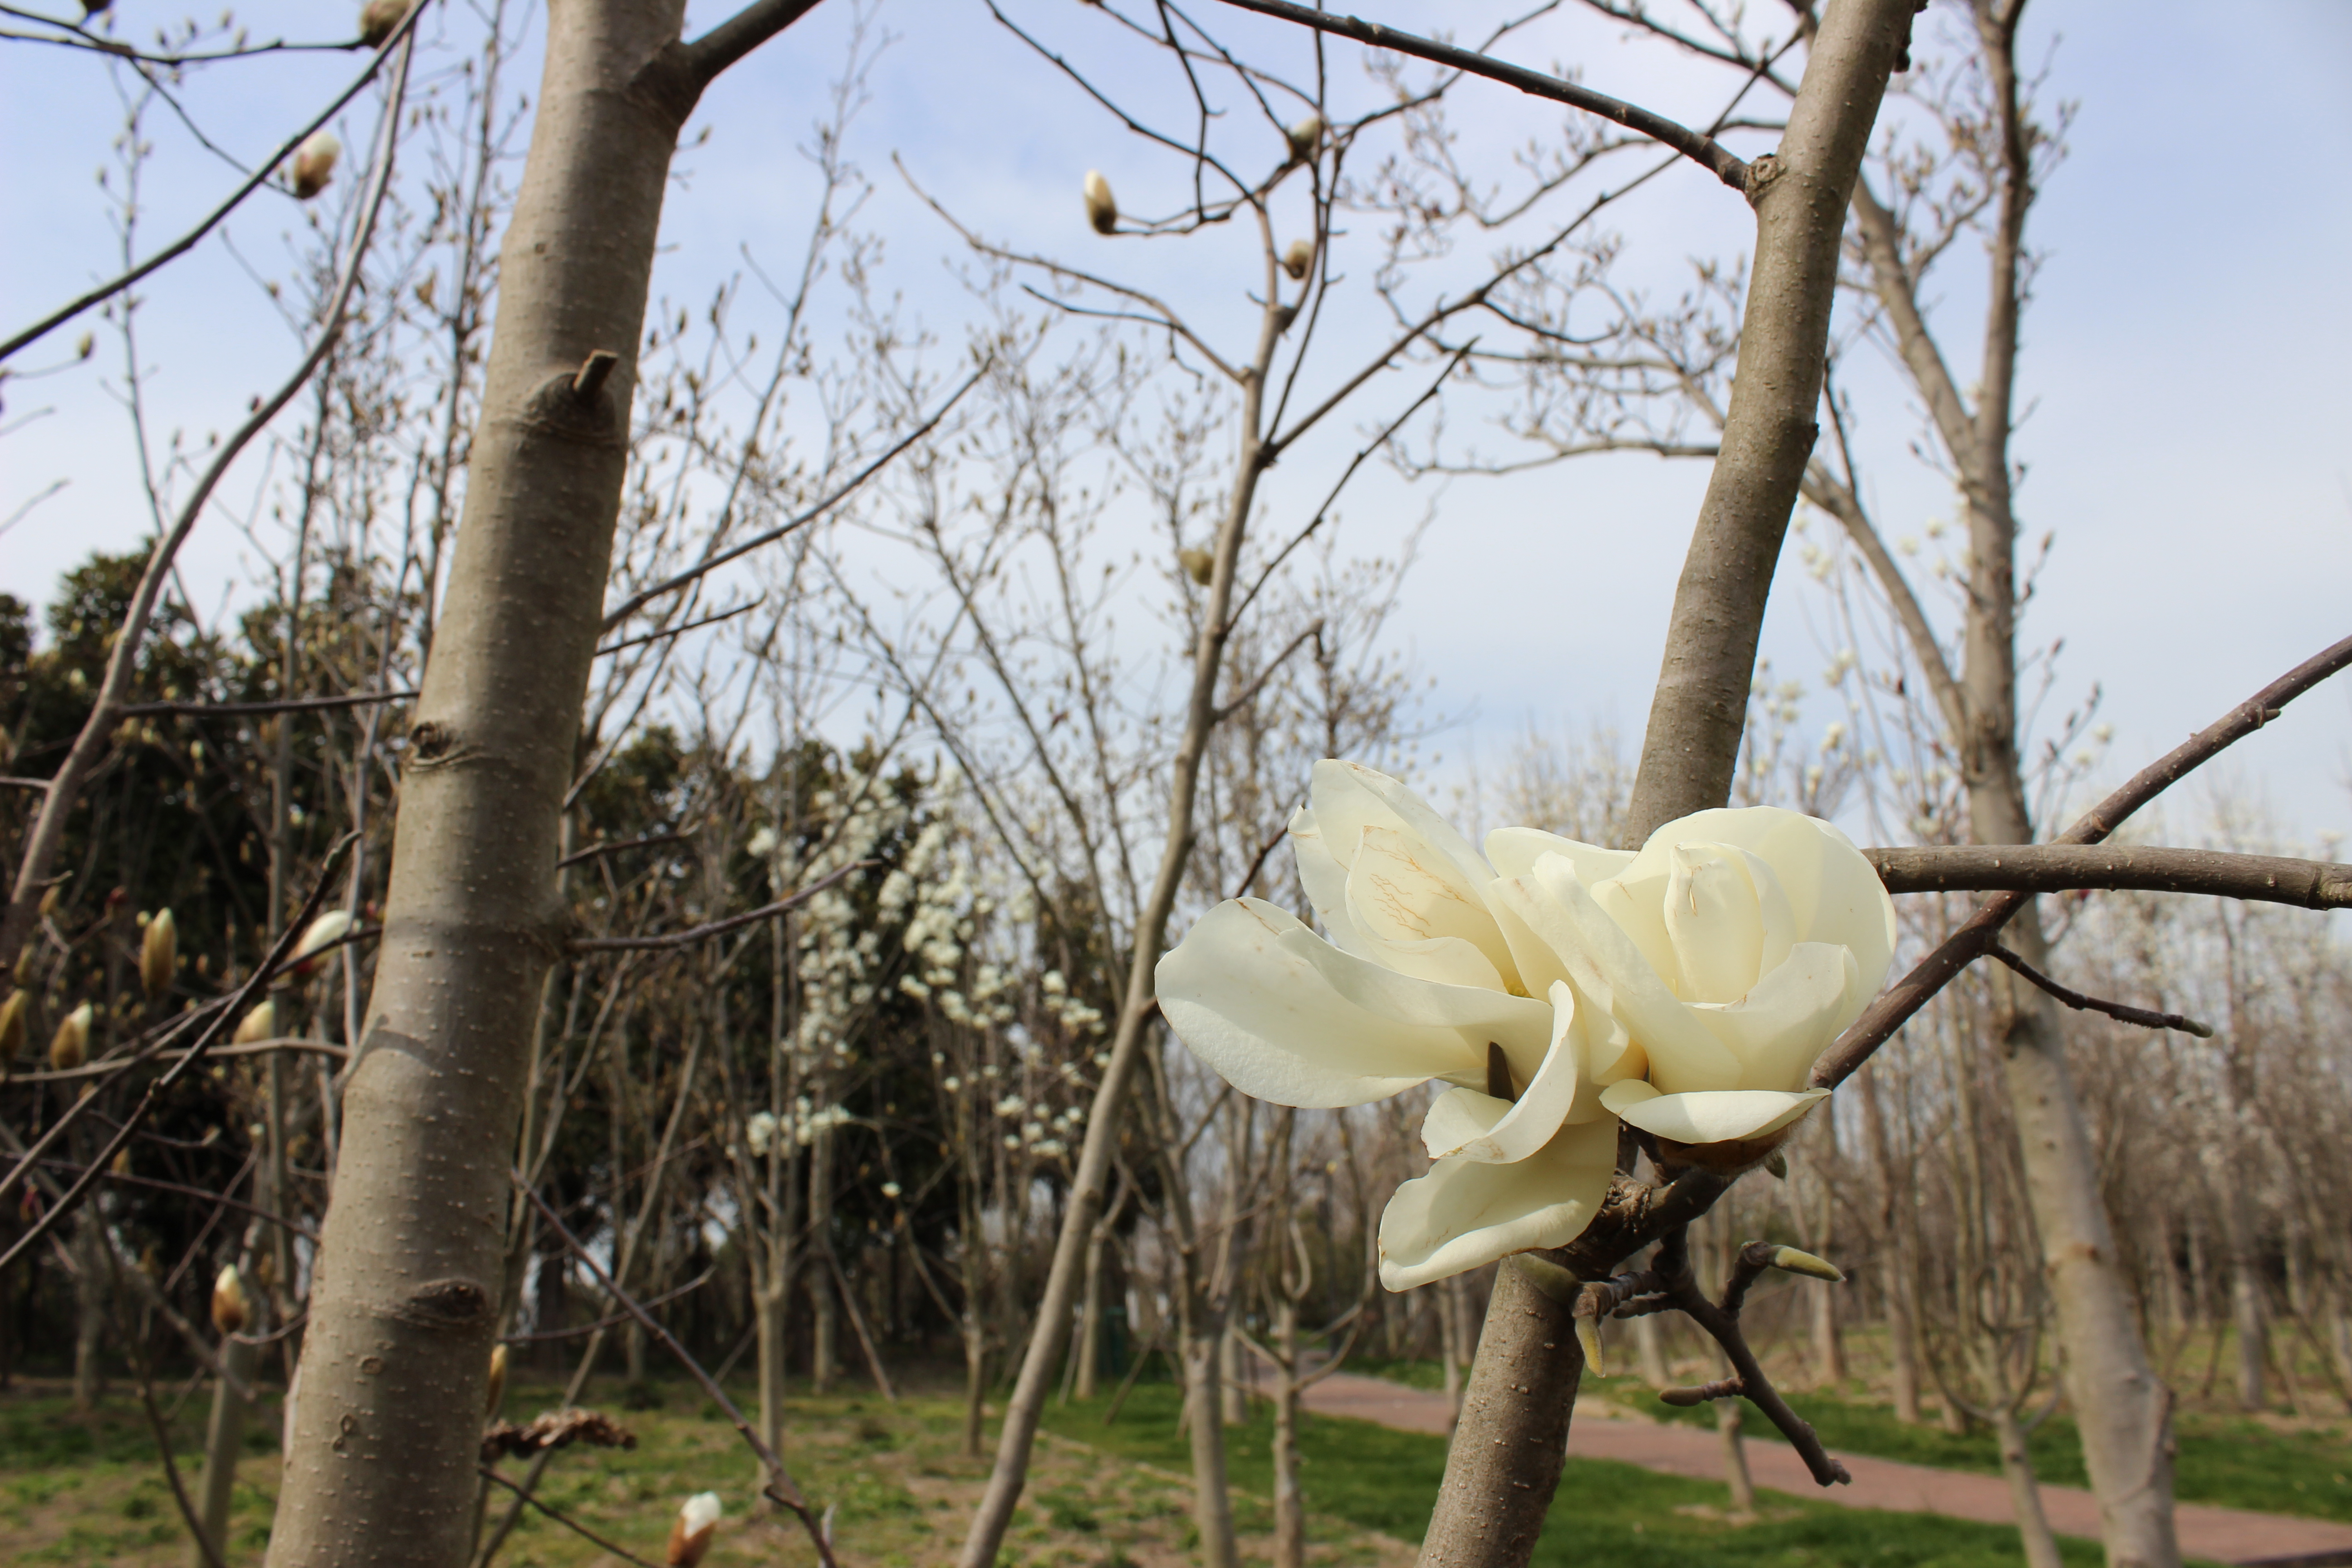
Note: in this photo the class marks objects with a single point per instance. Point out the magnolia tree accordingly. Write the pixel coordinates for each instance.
(1624, 1030)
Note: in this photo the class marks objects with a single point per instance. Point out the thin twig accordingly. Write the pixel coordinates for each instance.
(157, 1086)
(1721, 1321)
(1964, 946)
(635, 602)
(697, 1283)
(296, 1226)
(614, 849)
(290, 705)
(566, 1520)
(2145, 1017)
(716, 928)
(180, 247)
(780, 1484)
(1703, 149)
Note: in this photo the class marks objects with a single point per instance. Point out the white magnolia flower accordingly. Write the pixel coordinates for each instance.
(1731, 950)
(1419, 981)
(690, 1532)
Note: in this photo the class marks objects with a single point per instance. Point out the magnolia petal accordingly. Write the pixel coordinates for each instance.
(1464, 1213)
(1513, 852)
(1680, 1049)
(1403, 893)
(1325, 879)
(1834, 894)
(1708, 1116)
(1789, 1018)
(1477, 1126)
(1284, 1016)
(1348, 797)
(1713, 915)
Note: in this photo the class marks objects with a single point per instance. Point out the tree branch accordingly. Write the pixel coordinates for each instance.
(2122, 1012)
(1976, 935)
(290, 705)
(2062, 867)
(186, 242)
(718, 927)
(1703, 149)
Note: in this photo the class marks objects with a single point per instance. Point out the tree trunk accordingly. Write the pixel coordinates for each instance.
(379, 1468)
(771, 1301)
(1448, 1335)
(1504, 1463)
(225, 1441)
(1738, 1485)
(1212, 1498)
(825, 1350)
(1090, 1314)
(89, 1312)
(1230, 1373)
(2024, 1491)
(1289, 1501)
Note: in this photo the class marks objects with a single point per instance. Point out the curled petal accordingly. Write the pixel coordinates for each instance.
(1284, 1016)
(1466, 1213)
(1728, 919)
(1419, 915)
(1348, 797)
(1678, 1045)
(1515, 851)
(1494, 1131)
(1325, 879)
(1834, 895)
(1789, 1016)
(1709, 1116)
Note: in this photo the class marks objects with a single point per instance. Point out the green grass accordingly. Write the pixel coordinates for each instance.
(2229, 1461)
(1387, 1480)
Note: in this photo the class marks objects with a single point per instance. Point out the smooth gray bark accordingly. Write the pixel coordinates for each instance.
(1503, 1464)
(380, 1465)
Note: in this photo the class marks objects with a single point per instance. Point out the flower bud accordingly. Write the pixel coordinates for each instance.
(230, 1309)
(378, 18)
(159, 955)
(1102, 210)
(497, 1392)
(1305, 138)
(24, 967)
(261, 1024)
(1298, 257)
(1198, 564)
(314, 164)
(327, 928)
(69, 1047)
(1798, 1262)
(11, 1025)
(122, 1166)
(49, 899)
(690, 1532)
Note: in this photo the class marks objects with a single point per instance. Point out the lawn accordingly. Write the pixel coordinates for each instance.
(1372, 1477)
(2233, 1461)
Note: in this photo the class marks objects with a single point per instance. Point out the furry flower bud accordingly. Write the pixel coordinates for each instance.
(12, 1026)
(69, 1047)
(314, 164)
(378, 18)
(261, 1024)
(231, 1312)
(1102, 209)
(690, 1532)
(1198, 564)
(326, 929)
(1298, 257)
(497, 1392)
(159, 955)
(1305, 138)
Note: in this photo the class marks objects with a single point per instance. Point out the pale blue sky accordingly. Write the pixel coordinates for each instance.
(2186, 350)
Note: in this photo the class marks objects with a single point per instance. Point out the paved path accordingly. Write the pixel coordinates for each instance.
(2216, 1534)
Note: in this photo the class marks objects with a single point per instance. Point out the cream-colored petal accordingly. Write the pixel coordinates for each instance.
(1712, 915)
(1477, 1126)
(1682, 1053)
(1284, 1016)
(1348, 797)
(1711, 1116)
(1834, 894)
(1325, 879)
(1789, 1019)
(1401, 892)
(1464, 1214)
(1638, 905)
(1513, 851)
(1446, 959)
